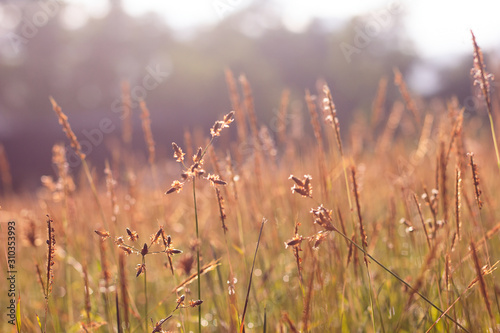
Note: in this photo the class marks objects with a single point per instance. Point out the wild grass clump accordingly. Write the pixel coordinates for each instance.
(391, 228)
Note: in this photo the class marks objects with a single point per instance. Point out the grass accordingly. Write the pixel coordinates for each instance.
(414, 249)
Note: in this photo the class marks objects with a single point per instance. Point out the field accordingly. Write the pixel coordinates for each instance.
(387, 224)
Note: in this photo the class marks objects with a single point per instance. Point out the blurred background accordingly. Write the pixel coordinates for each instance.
(173, 55)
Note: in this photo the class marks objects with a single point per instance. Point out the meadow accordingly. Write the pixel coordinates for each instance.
(387, 224)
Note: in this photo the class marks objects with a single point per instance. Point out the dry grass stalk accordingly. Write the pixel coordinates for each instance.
(447, 271)
(126, 113)
(245, 307)
(214, 160)
(217, 168)
(188, 143)
(268, 144)
(63, 120)
(289, 322)
(123, 289)
(392, 124)
(355, 190)
(148, 134)
(458, 114)
(295, 243)
(249, 105)
(355, 257)
(306, 313)
(422, 221)
(342, 226)
(311, 106)
(480, 278)
(442, 181)
(458, 198)
(110, 187)
(423, 143)
(331, 116)
(475, 180)
(482, 79)
(106, 279)
(457, 127)
(236, 105)
(378, 103)
(409, 101)
(40, 278)
(51, 249)
(30, 234)
(232, 175)
(282, 114)
(203, 270)
(432, 202)
(88, 307)
(454, 241)
(351, 249)
(250, 110)
(106, 274)
(222, 213)
(59, 159)
(5, 174)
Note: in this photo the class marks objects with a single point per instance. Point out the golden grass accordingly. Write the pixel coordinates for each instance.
(422, 274)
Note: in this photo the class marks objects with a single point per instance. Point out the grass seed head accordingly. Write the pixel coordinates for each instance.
(144, 250)
(155, 238)
(175, 187)
(178, 154)
(132, 235)
(302, 187)
(215, 180)
(141, 268)
(104, 234)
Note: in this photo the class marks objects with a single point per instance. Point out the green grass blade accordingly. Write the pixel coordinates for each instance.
(242, 326)
(18, 315)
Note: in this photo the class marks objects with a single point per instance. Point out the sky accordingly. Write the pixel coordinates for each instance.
(439, 28)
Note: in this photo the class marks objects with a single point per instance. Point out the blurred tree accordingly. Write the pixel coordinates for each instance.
(82, 68)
